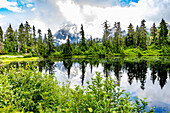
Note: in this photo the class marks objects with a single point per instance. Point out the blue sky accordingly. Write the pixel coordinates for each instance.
(46, 14)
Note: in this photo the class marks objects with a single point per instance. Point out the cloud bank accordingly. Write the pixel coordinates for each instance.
(93, 16)
(46, 14)
(12, 6)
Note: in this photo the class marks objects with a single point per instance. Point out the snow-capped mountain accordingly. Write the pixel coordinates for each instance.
(67, 30)
(71, 30)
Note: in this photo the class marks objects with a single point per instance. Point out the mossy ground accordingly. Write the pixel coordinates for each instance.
(5, 60)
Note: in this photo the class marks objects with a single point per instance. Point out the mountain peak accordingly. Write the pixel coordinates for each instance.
(67, 29)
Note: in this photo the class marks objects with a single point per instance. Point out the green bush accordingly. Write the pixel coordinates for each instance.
(56, 55)
(26, 89)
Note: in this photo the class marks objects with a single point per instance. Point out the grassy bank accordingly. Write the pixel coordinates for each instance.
(103, 53)
(8, 60)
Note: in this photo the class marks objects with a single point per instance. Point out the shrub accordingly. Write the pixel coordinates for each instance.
(27, 90)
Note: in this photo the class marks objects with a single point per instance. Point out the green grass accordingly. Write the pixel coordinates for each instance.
(9, 60)
(6, 56)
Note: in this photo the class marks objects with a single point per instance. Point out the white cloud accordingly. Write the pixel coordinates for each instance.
(90, 13)
(93, 16)
(29, 5)
(33, 9)
(12, 6)
(1, 16)
(1, 24)
(39, 24)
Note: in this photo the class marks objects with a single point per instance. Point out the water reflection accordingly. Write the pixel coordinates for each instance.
(136, 70)
(68, 64)
(142, 77)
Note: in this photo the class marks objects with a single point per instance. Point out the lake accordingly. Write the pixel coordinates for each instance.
(143, 77)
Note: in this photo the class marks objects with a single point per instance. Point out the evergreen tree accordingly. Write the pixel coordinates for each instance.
(130, 35)
(1, 34)
(21, 38)
(91, 42)
(117, 35)
(143, 35)
(45, 47)
(83, 45)
(9, 41)
(39, 42)
(137, 36)
(163, 32)
(67, 51)
(106, 32)
(15, 40)
(27, 31)
(34, 38)
(153, 33)
(50, 42)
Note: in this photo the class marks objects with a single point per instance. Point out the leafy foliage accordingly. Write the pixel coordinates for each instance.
(27, 90)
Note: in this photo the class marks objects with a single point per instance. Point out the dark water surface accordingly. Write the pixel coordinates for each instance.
(143, 77)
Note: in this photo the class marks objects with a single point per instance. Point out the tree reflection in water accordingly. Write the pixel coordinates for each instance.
(136, 70)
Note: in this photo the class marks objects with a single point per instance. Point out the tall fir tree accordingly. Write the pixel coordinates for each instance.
(117, 35)
(163, 32)
(67, 51)
(137, 36)
(39, 42)
(130, 35)
(45, 47)
(34, 38)
(9, 40)
(51, 48)
(91, 42)
(21, 38)
(1, 34)
(15, 40)
(27, 33)
(143, 35)
(83, 44)
(153, 33)
(107, 30)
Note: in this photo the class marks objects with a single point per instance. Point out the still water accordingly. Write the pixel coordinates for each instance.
(142, 77)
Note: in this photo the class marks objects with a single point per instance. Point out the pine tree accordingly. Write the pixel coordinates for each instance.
(21, 38)
(39, 42)
(117, 35)
(143, 35)
(91, 42)
(83, 45)
(50, 42)
(137, 36)
(1, 34)
(106, 32)
(153, 33)
(15, 40)
(9, 41)
(45, 47)
(67, 51)
(27, 31)
(163, 32)
(130, 35)
(34, 38)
